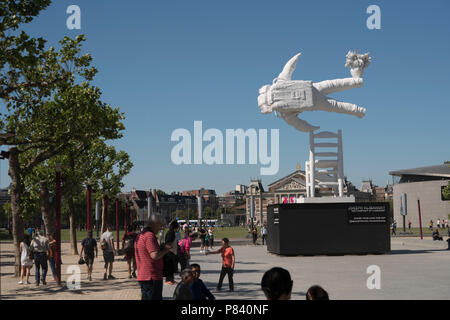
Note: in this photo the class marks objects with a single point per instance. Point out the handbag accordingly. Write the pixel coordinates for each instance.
(81, 261)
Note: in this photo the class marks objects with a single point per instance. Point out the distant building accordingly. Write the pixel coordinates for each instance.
(241, 189)
(371, 192)
(209, 196)
(424, 184)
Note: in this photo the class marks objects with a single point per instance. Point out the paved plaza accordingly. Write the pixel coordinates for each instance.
(415, 269)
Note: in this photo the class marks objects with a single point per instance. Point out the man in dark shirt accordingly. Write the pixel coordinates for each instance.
(202, 233)
(198, 288)
(88, 245)
(182, 291)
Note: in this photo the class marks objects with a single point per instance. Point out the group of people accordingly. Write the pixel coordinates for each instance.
(38, 250)
(254, 232)
(440, 224)
(150, 260)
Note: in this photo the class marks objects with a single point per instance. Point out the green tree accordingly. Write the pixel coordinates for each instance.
(107, 168)
(446, 192)
(50, 104)
(208, 213)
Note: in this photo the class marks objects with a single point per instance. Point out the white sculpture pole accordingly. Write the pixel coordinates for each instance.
(340, 165)
(312, 165)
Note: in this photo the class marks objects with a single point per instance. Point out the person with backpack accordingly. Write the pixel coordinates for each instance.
(88, 245)
(107, 243)
(128, 241)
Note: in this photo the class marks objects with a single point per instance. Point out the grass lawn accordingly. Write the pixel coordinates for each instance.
(227, 232)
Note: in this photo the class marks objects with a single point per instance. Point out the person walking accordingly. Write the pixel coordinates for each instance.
(228, 261)
(263, 233)
(211, 237)
(107, 243)
(128, 241)
(254, 234)
(25, 260)
(88, 246)
(40, 248)
(202, 236)
(149, 259)
(171, 260)
(409, 225)
(431, 224)
(52, 255)
(394, 228)
(438, 223)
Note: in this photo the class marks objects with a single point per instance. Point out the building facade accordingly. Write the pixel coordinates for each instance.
(421, 185)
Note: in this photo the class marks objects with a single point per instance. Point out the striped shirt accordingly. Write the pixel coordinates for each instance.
(147, 268)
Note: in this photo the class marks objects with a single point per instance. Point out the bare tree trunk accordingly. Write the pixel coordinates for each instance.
(47, 213)
(73, 229)
(16, 193)
(104, 213)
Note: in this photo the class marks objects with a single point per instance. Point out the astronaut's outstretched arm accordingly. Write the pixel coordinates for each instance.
(330, 86)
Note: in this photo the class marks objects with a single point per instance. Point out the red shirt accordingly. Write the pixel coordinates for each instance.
(147, 268)
(227, 257)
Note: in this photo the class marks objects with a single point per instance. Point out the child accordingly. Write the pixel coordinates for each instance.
(25, 260)
(198, 288)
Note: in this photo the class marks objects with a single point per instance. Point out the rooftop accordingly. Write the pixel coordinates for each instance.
(442, 171)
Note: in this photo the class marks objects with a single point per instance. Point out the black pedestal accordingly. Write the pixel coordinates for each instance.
(328, 228)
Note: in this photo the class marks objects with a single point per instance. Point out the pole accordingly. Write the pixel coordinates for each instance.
(105, 204)
(312, 164)
(252, 211)
(125, 217)
(58, 225)
(117, 222)
(98, 216)
(131, 214)
(420, 219)
(88, 211)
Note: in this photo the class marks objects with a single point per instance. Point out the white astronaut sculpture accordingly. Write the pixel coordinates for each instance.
(288, 98)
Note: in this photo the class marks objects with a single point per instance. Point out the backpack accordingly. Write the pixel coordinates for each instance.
(128, 246)
(104, 244)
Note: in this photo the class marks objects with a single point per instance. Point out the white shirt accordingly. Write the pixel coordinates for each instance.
(109, 238)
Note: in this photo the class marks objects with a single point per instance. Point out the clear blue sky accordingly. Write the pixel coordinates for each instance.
(168, 63)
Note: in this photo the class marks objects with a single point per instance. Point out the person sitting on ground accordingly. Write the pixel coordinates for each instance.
(316, 293)
(277, 284)
(182, 291)
(436, 235)
(198, 289)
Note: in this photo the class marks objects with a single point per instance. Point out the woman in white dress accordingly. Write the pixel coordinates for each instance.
(25, 260)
